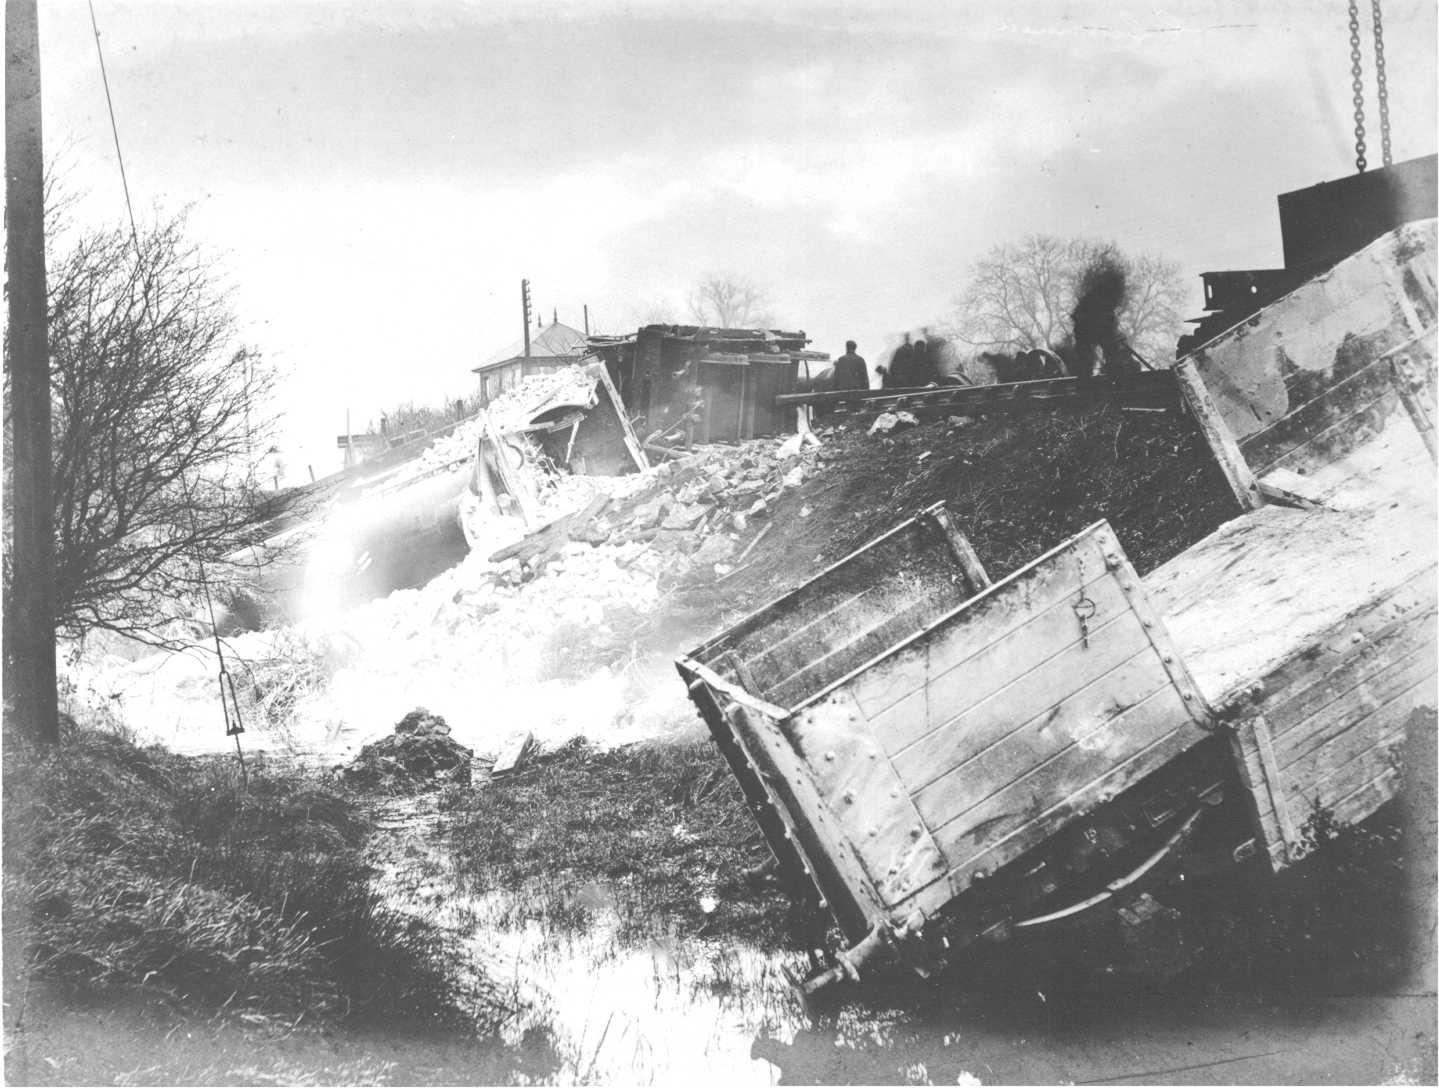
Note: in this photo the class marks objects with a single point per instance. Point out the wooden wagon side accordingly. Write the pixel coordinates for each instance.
(1323, 400)
(903, 761)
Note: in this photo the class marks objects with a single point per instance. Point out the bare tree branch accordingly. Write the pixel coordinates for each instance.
(729, 302)
(1019, 296)
(159, 417)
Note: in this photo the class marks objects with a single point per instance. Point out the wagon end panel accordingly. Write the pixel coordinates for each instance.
(855, 610)
(1325, 729)
(780, 791)
(1328, 392)
(1044, 697)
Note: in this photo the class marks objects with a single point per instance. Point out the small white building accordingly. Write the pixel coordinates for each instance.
(551, 348)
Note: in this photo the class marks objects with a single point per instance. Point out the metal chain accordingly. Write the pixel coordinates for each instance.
(1084, 608)
(1383, 87)
(1356, 69)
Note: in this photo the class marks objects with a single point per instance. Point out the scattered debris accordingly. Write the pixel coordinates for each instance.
(888, 421)
(517, 749)
(419, 755)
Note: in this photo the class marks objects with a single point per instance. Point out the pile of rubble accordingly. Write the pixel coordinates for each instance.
(701, 513)
(419, 755)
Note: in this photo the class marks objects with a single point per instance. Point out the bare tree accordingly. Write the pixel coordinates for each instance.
(1020, 296)
(729, 301)
(159, 416)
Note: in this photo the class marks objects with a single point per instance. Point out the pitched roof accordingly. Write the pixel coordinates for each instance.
(555, 340)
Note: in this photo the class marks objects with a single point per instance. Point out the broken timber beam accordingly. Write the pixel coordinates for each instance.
(552, 537)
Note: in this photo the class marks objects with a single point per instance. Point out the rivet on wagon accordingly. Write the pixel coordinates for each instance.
(894, 793)
(1357, 638)
(873, 832)
(829, 755)
(1169, 659)
(823, 904)
(1148, 624)
(1127, 585)
(1187, 695)
(980, 874)
(873, 755)
(849, 797)
(914, 832)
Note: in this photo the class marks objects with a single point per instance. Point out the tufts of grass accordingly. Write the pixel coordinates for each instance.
(139, 871)
(655, 833)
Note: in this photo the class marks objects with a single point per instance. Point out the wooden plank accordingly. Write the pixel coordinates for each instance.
(1338, 438)
(879, 636)
(1004, 606)
(898, 679)
(1154, 733)
(1216, 433)
(1418, 413)
(1358, 770)
(963, 551)
(1366, 717)
(1047, 814)
(1364, 800)
(1352, 313)
(897, 605)
(765, 647)
(1036, 694)
(632, 442)
(837, 870)
(1379, 621)
(865, 794)
(1325, 709)
(790, 608)
(1087, 719)
(1316, 424)
(765, 806)
(1274, 783)
(1245, 749)
(955, 687)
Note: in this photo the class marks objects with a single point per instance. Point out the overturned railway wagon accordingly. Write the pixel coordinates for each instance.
(946, 758)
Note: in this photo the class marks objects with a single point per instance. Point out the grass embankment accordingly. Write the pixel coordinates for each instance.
(139, 874)
(657, 833)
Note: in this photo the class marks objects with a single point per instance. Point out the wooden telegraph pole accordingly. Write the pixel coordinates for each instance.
(29, 634)
(525, 306)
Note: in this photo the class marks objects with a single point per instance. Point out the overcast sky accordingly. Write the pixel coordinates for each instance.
(377, 177)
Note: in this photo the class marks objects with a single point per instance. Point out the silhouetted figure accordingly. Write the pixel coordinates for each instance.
(850, 370)
(900, 366)
(1096, 322)
(922, 368)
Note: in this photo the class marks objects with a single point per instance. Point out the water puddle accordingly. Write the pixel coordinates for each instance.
(616, 1008)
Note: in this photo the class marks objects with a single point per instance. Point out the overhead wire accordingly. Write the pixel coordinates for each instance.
(229, 705)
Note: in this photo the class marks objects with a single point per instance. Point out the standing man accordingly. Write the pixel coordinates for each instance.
(898, 375)
(850, 370)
